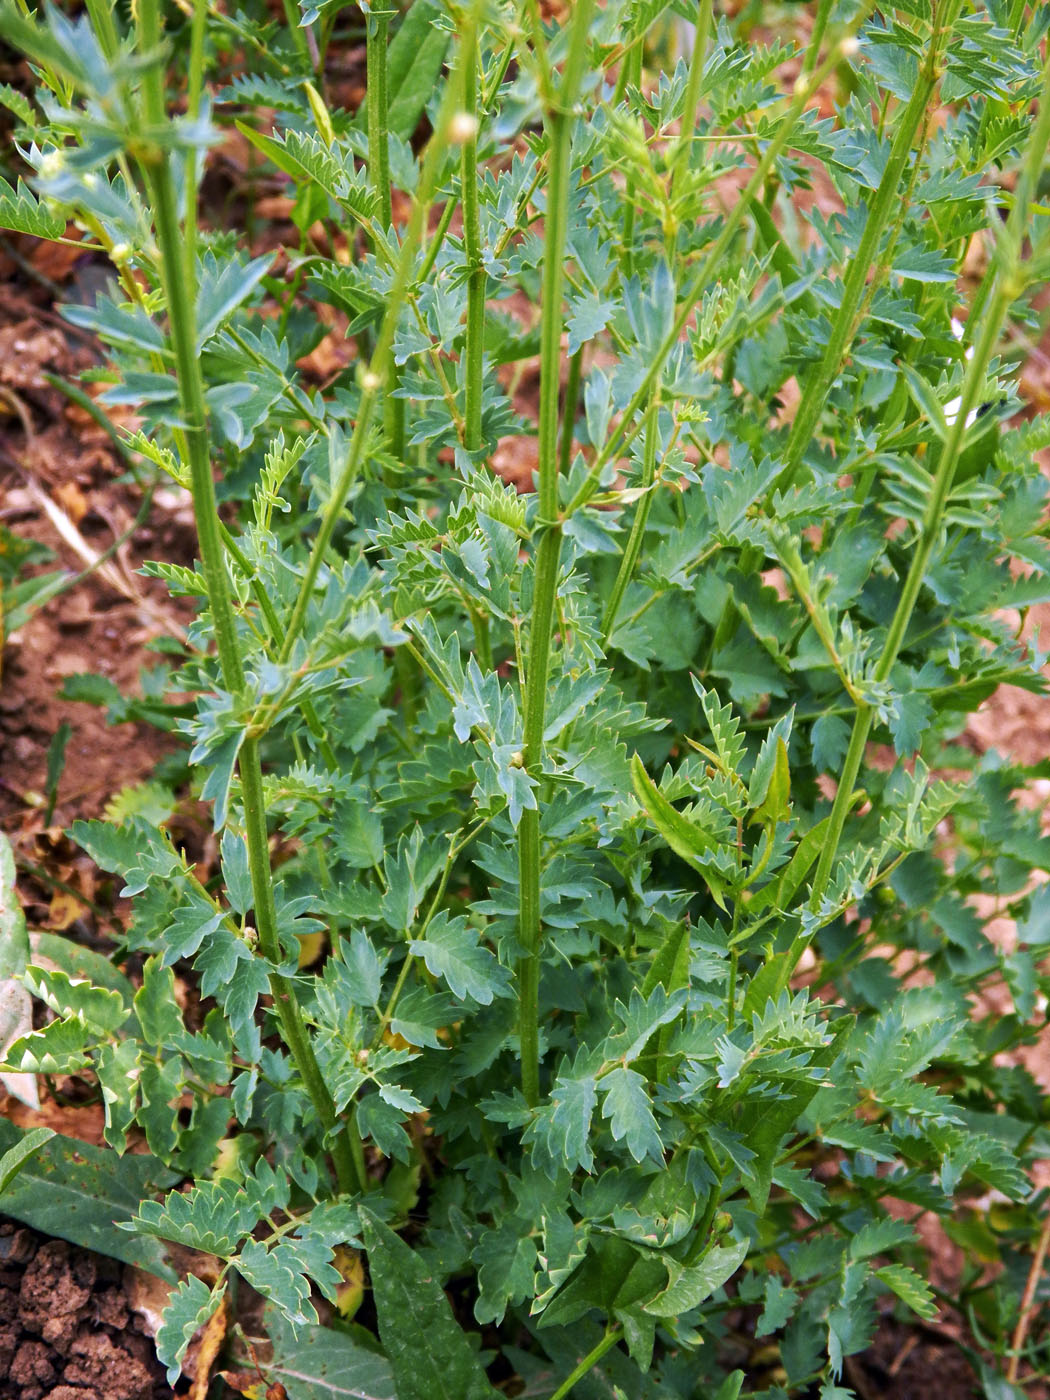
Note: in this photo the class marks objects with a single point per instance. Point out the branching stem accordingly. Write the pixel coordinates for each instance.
(179, 276)
(559, 124)
(1003, 283)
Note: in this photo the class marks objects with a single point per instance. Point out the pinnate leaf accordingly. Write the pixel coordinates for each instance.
(189, 1308)
(451, 949)
(910, 1288)
(630, 1112)
(694, 1285)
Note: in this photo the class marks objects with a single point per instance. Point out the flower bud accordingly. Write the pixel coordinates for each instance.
(462, 128)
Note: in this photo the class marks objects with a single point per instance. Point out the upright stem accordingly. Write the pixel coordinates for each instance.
(632, 73)
(687, 130)
(1007, 281)
(194, 92)
(634, 540)
(1031, 1288)
(816, 38)
(559, 123)
(608, 1341)
(377, 33)
(372, 378)
(882, 207)
(703, 277)
(570, 404)
(475, 340)
(179, 284)
(100, 12)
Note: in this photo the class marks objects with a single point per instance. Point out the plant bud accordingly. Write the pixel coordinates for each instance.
(462, 128)
(52, 163)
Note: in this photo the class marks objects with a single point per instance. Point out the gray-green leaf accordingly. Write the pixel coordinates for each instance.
(429, 1353)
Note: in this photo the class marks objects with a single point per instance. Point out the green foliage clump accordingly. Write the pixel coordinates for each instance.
(648, 1000)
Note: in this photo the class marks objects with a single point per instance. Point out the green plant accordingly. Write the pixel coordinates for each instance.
(634, 1010)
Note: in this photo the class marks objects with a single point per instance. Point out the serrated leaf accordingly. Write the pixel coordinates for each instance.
(778, 1304)
(626, 1104)
(16, 1005)
(588, 315)
(688, 839)
(189, 1307)
(22, 212)
(98, 1008)
(429, 1354)
(694, 1285)
(222, 288)
(60, 1047)
(452, 950)
(560, 1131)
(277, 1273)
(909, 1288)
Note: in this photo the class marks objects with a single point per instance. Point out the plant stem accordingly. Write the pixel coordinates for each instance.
(570, 404)
(372, 378)
(687, 130)
(377, 31)
(1005, 278)
(179, 283)
(706, 274)
(473, 353)
(632, 73)
(559, 122)
(1035, 1274)
(376, 36)
(816, 38)
(634, 540)
(612, 1336)
(885, 201)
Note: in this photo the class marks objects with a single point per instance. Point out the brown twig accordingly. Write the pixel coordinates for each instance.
(1028, 1301)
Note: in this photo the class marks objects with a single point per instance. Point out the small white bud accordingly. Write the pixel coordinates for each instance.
(90, 180)
(462, 128)
(370, 381)
(517, 759)
(849, 46)
(120, 252)
(802, 85)
(52, 163)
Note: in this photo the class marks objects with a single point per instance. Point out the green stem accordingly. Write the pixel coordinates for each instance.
(634, 541)
(632, 73)
(100, 13)
(378, 26)
(372, 378)
(885, 202)
(1004, 276)
(274, 628)
(475, 339)
(816, 38)
(612, 1336)
(570, 404)
(707, 273)
(376, 99)
(179, 281)
(687, 130)
(559, 124)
